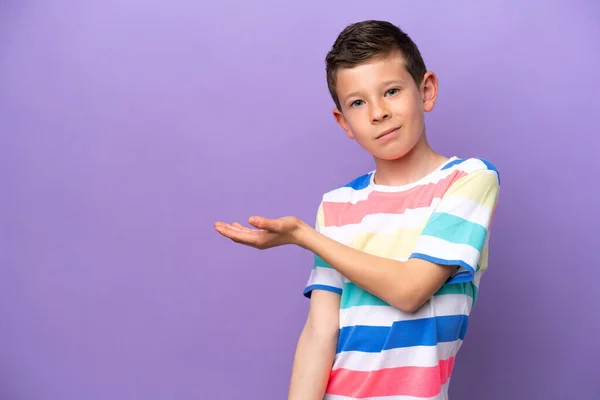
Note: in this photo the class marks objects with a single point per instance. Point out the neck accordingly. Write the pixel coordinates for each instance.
(416, 164)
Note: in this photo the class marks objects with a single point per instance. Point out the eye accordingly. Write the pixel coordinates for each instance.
(392, 92)
(356, 103)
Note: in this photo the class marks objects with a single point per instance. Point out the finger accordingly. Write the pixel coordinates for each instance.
(236, 234)
(246, 229)
(264, 223)
(226, 229)
(240, 227)
(222, 228)
(234, 226)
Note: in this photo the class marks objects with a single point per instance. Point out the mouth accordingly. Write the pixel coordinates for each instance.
(385, 133)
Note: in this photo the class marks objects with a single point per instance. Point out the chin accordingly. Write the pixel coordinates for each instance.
(391, 154)
(391, 157)
(396, 151)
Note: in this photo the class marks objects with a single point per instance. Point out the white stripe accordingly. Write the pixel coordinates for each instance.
(442, 396)
(390, 223)
(325, 276)
(465, 208)
(343, 234)
(415, 356)
(434, 178)
(439, 248)
(346, 195)
(470, 165)
(437, 306)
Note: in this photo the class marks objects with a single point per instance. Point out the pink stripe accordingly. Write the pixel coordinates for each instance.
(339, 214)
(402, 381)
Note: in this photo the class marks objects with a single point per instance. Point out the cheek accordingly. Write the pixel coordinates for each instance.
(359, 124)
(412, 114)
(409, 106)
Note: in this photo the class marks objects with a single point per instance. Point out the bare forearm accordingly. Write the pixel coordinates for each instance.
(312, 365)
(377, 275)
(404, 285)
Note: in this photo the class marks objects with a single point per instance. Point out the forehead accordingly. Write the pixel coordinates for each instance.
(372, 74)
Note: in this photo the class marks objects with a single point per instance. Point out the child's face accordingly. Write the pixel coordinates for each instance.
(382, 107)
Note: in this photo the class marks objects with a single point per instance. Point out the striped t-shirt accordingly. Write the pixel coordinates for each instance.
(382, 352)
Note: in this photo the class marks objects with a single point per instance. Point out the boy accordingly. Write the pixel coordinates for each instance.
(399, 251)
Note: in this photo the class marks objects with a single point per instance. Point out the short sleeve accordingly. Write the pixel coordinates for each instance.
(322, 275)
(457, 232)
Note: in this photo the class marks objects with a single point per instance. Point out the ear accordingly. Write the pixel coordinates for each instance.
(429, 90)
(341, 120)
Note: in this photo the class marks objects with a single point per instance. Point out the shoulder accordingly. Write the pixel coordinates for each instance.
(472, 168)
(335, 201)
(471, 164)
(351, 191)
(472, 180)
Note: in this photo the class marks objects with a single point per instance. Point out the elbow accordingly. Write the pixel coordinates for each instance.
(408, 303)
(410, 296)
(321, 330)
(407, 292)
(407, 307)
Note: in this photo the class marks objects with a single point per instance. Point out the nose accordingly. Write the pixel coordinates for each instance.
(379, 111)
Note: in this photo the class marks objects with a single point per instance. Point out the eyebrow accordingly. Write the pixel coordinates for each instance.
(386, 83)
(395, 81)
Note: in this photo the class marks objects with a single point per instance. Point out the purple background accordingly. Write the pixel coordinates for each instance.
(129, 127)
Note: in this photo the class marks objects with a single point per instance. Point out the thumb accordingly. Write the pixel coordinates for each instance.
(264, 223)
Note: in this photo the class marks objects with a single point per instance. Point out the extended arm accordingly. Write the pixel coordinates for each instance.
(404, 285)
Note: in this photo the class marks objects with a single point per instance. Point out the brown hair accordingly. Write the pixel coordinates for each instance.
(363, 41)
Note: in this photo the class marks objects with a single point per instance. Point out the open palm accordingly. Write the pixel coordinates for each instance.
(267, 233)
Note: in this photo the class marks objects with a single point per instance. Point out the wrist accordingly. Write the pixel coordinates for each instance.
(302, 234)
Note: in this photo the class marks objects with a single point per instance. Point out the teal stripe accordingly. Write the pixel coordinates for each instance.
(466, 288)
(319, 262)
(456, 230)
(353, 295)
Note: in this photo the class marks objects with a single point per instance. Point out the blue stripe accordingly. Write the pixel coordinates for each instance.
(309, 289)
(459, 278)
(360, 183)
(419, 332)
(491, 167)
(452, 163)
(462, 273)
(488, 165)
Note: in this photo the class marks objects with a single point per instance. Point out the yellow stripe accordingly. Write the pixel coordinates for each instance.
(483, 260)
(480, 186)
(396, 245)
(320, 222)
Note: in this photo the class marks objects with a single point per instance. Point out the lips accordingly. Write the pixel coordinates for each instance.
(385, 133)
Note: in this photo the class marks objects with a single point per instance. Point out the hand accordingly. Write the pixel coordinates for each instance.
(268, 233)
